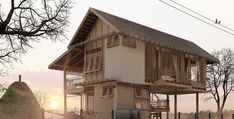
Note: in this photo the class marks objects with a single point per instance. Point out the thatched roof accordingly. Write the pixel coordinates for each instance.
(123, 27)
(139, 31)
(19, 103)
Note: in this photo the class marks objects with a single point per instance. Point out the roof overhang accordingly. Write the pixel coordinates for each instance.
(86, 25)
(72, 59)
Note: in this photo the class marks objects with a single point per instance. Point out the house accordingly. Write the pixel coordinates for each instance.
(118, 67)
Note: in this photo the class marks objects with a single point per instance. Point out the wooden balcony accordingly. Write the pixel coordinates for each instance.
(199, 85)
(71, 87)
(167, 81)
(169, 76)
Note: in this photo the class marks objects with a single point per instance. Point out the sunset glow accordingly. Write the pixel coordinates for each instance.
(53, 104)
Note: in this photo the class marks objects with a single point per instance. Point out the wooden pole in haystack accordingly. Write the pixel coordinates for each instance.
(19, 78)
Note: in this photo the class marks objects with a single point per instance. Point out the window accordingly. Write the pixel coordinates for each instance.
(169, 65)
(186, 68)
(130, 42)
(107, 91)
(138, 92)
(90, 100)
(112, 41)
(139, 103)
(93, 60)
(141, 98)
(194, 69)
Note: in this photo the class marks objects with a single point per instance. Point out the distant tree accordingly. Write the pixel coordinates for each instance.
(30, 21)
(220, 81)
(42, 98)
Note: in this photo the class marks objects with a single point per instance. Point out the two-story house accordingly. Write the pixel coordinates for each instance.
(117, 67)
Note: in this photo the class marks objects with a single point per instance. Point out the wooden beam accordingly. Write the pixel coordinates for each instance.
(70, 59)
(175, 106)
(65, 95)
(197, 106)
(77, 63)
(115, 101)
(168, 106)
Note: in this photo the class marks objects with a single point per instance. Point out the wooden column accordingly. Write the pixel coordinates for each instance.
(65, 95)
(115, 101)
(175, 106)
(168, 106)
(197, 106)
(81, 102)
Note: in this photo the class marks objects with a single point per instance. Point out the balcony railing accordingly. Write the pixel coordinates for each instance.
(167, 75)
(198, 84)
(71, 80)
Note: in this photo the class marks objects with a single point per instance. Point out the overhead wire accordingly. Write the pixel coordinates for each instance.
(200, 14)
(199, 18)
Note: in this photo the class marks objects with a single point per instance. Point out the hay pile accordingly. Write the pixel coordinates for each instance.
(19, 103)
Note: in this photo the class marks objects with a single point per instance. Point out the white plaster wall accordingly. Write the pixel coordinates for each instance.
(112, 60)
(133, 63)
(125, 63)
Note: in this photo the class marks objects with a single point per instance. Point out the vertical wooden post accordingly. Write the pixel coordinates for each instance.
(197, 106)
(42, 113)
(19, 78)
(232, 116)
(81, 113)
(209, 115)
(179, 115)
(112, 114)
(65, 95)
(81, 102)
(175, 106)
(222, 116)
(115, 100)
(168, 106)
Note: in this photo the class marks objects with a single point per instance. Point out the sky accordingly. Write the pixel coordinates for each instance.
(152, 13)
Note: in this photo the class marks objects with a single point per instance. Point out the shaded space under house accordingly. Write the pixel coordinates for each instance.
(117, 68)
(18, 102)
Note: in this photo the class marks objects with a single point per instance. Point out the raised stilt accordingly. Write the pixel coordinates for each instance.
(197, 106)
(175, 106)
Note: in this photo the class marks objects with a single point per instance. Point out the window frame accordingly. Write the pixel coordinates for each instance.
(144, 101)
(129, 42)
(93, 58)
(112, 41)
(109, 91)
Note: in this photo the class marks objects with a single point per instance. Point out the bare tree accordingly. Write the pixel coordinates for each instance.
(42, 98)
(221, 78)
(30, 21)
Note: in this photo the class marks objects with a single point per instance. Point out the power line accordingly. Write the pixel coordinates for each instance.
(200, 15)
(197, 18)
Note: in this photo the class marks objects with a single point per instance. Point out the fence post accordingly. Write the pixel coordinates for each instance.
(195, 116)
(222, 116)
(160, 115)
(232, 116)
(179, 115)
(42, 113)
(81, 111)
(112, 114)
(209, 115)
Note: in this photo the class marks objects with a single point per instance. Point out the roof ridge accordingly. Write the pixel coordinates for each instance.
(148, 27)
(149, 34)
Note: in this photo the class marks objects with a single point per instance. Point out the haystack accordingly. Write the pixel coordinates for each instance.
(19, 103)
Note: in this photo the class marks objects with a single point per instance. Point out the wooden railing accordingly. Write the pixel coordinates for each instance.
(198, 84)
(71, 81)
(168, 75)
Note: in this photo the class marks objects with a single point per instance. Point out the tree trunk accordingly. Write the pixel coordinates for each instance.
(218, 111)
